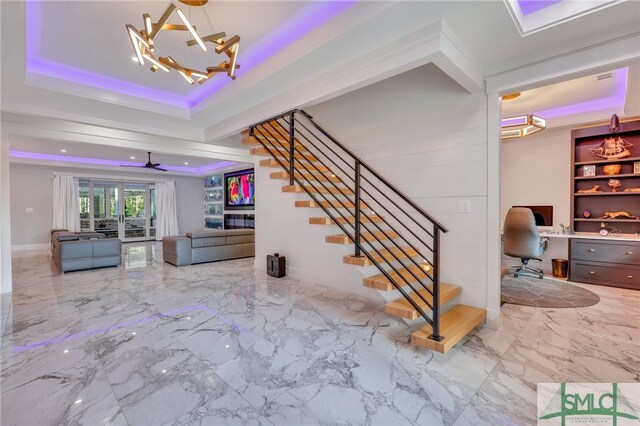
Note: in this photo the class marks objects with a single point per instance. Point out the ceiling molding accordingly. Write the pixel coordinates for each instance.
(602, 57)
(430, 44)
(61, 130)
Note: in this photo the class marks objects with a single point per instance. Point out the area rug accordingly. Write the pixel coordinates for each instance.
(545, 293)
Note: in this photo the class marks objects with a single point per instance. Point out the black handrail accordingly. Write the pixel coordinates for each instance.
(394, 252)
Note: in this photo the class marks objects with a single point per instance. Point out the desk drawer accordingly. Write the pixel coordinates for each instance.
(605, 273)
(623, 252)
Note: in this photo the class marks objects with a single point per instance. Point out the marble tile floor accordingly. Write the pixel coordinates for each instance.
(222, 344)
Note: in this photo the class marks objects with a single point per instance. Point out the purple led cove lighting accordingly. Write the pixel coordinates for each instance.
(101, 162)
(307, 20)
(613, 101)
(514, 121)
(118, 326)
(310, 18)
(529, 6)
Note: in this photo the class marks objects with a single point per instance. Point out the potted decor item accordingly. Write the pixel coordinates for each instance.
(612, 169)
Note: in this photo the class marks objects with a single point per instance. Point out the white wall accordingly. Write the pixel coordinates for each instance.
(5, 216)
(536, 170)
(426, 135)
(31, 188)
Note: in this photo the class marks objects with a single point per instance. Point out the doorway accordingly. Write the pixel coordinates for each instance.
(124, 210)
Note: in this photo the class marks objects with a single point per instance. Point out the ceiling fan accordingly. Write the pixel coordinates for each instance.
(149, 165)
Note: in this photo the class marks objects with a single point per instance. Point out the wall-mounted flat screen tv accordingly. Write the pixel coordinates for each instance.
(239, 190)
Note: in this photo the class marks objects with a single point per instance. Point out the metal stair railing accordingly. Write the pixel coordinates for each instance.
(302, 148)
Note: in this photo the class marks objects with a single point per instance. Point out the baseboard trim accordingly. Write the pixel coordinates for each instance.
(23, 247)
(494, 319)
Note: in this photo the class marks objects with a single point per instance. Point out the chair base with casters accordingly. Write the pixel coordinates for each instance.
(527, 270)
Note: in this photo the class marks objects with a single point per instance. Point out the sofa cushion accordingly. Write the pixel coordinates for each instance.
(65, 236)
(207, 234)
(91, 236)
(108, 247)
(208, 242)
(247, 231)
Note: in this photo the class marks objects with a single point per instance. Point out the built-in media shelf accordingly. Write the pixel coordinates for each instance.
(620, 160)
(595, 204)
(580, 219)
(593, 194)
(626, 175)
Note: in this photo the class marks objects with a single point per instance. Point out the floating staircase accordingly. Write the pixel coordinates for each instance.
(387, 230)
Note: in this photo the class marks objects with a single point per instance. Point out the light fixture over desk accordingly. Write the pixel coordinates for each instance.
(521, 126)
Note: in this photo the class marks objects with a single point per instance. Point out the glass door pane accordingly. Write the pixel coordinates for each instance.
(135, 214)
(152, 210)
(106, 208)
(84, 206)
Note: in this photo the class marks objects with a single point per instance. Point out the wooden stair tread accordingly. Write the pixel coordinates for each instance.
(403, 309)
(384, 254)
(380, 282)
(368, 236)
(330, 190)
(456, 323)
(329, 205)
(306, 176)
(272, 162)
(324, 220)
(262, 151)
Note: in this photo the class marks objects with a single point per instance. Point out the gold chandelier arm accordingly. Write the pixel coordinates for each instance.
(214, 38)
(176, 27)
(232, 61)
(137, 40)
(163, 20)
(228, 44)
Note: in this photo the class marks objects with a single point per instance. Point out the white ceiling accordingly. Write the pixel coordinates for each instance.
(580, 100)
(91, 35)
(103, 152)
(315, 66)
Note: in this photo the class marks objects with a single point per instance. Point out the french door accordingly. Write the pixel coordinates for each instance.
(124, 210)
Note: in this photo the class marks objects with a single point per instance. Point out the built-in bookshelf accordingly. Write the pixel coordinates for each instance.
(592, 196)
(213, 202)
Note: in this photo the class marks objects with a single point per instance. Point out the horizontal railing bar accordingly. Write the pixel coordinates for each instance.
(390, 200)
(398, 220)
(320, 182)
(397, 259)
(321, 141)
(377, 175)
(311, 194)
(390, 264)
(403, 239)
(319, 159)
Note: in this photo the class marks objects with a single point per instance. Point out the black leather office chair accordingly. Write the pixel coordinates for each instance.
(522, 239)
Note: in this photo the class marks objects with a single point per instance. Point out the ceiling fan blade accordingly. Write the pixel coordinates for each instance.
(156, 165)
(159, 168)
(126, 165)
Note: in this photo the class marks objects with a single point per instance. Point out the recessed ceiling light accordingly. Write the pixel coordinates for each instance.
(186, 163)
(63, 150)
(133, 158)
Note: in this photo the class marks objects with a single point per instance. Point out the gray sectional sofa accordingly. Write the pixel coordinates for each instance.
(208, 246)
(72, 251)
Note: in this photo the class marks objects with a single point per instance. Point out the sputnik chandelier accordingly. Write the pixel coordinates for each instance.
(144, 47)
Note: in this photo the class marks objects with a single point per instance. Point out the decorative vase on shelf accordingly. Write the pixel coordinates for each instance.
(612, 169)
